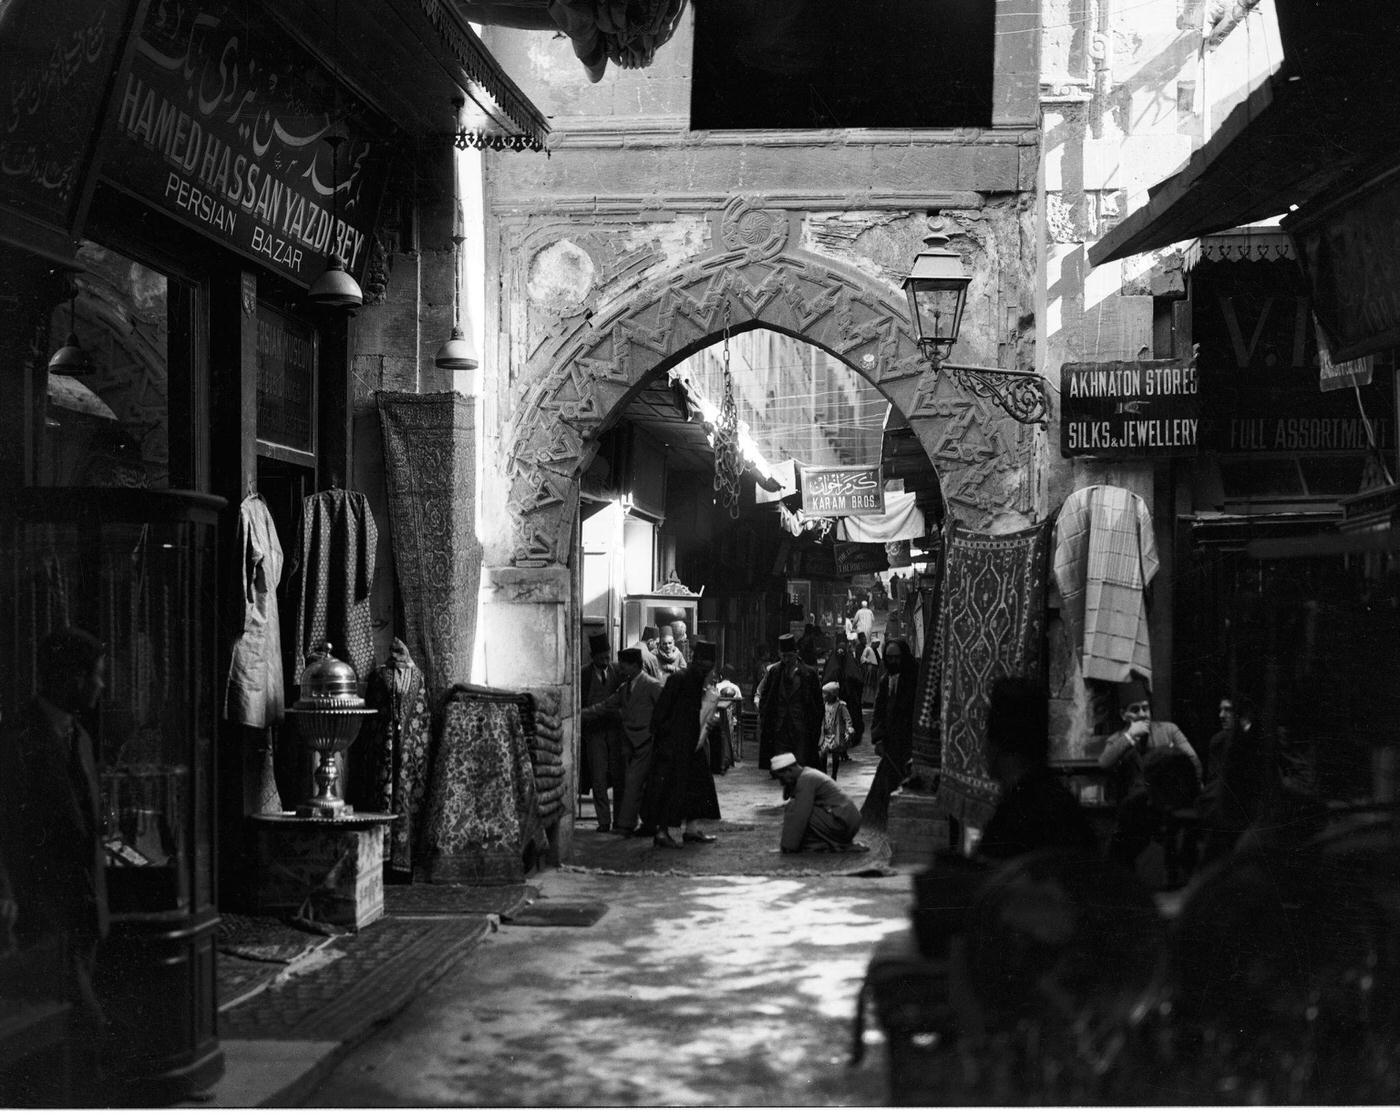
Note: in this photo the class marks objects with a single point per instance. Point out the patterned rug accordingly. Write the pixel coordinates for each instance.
(457, 899)
(429, 451)
(743, 849)
(991, 624)
(559, 913)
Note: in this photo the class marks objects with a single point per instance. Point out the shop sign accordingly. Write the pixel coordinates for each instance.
(842, 491)
(222, 123)
(1340, 374)
(58, 61)
(860, 558)
(286, 352)
(1129, 409)
(1350, 251)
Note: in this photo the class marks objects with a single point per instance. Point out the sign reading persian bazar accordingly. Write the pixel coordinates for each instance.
(1129, 409)
(224, 124)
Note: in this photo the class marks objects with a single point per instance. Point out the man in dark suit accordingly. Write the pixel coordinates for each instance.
(602, 740)
(790, 709)
(51, 831)
(683, 787)
(632, 703)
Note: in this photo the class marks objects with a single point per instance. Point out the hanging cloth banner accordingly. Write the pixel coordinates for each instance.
(901, 519)
(842, 490)
(785, 473)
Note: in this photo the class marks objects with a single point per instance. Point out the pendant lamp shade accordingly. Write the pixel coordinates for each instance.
(457, 352)
(335, 288)
(71, 359)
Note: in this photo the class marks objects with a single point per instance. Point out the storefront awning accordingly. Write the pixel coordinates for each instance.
(1329, 110)
(412, 59)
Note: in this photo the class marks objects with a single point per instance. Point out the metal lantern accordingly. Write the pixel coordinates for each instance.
(328, 717)
(937, 290)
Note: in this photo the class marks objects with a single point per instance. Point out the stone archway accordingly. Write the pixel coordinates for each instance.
(592, 362)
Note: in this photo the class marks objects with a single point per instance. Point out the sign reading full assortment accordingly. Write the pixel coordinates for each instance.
(1129, 409)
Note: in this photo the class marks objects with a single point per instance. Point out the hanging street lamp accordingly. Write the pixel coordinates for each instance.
(937, 290)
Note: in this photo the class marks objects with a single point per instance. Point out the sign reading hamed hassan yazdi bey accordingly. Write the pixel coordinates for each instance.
(222, 122)
(842, 490)
(1129, 409)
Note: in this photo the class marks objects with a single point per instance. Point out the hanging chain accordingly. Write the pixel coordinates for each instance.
(729, 463)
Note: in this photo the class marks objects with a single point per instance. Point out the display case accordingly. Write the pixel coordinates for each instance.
(136, 568)
(656, 609)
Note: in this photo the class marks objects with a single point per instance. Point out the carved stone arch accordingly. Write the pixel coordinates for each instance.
(588, 367)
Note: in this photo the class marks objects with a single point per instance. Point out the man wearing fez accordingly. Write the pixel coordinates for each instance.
(789, 708)
(683, 788)
(602, 737)
(1156, 771)
(51, 832)
(818, 814)
(633, 703)
(646, 644)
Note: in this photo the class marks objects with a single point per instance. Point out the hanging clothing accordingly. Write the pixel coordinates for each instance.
(256, 693)
(389, 760)
(1105, 557)
(338, 537)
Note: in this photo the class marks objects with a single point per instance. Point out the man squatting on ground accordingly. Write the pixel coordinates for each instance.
(818, 815)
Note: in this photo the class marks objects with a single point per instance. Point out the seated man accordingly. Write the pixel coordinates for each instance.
(818, 815)
(1158, 771)
(1036, 810)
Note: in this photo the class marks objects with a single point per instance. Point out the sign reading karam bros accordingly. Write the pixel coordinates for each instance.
(1129, 409)
(842, 490)
(222, 123)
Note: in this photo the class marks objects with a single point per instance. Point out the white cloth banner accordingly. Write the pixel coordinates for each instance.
(902, 519)
(784, 472)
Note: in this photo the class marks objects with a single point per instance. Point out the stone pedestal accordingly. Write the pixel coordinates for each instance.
(329, 870)
(917, 827)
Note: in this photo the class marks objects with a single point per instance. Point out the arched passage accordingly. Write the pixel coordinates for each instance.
(590, 365)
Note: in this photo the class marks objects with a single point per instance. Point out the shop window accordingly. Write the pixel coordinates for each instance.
(112, 426)
(1261, 479)
(1333, 476)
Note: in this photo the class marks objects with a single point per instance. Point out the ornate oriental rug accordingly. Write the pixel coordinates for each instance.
(429, 468)
(991, 624)
(482, 823)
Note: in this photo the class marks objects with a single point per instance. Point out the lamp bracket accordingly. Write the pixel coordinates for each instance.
(1019, 393)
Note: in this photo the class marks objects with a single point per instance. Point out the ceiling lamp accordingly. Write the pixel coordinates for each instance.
(71, 359)
(937, 289)
(457, 352)
(335, 288)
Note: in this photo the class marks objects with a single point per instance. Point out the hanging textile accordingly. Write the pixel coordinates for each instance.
(991, 624)
(256, 692)
(338, 537)
(901, 519)
(1105, 557)
(389, 760)
(482, 822)
(430, 472)
(785, 473)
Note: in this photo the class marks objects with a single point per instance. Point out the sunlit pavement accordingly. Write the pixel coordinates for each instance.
(688, 991)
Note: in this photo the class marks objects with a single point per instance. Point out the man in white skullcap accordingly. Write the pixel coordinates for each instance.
(818, 815)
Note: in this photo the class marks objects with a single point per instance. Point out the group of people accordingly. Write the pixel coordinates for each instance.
(648, 734)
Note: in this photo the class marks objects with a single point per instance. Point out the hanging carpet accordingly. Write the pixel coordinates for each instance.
(482, 824)
(429, 468)
(991, 624)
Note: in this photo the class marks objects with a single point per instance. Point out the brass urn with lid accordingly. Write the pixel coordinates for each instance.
(328, 716)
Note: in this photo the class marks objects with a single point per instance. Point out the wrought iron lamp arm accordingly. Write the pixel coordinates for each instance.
(1019, 393)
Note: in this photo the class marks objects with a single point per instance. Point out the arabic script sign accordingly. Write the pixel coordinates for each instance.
(1129, 409)
(223, 123)
(842, 491)
(56, 58)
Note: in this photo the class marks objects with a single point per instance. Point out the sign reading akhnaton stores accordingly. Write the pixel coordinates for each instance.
(1129, 409)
